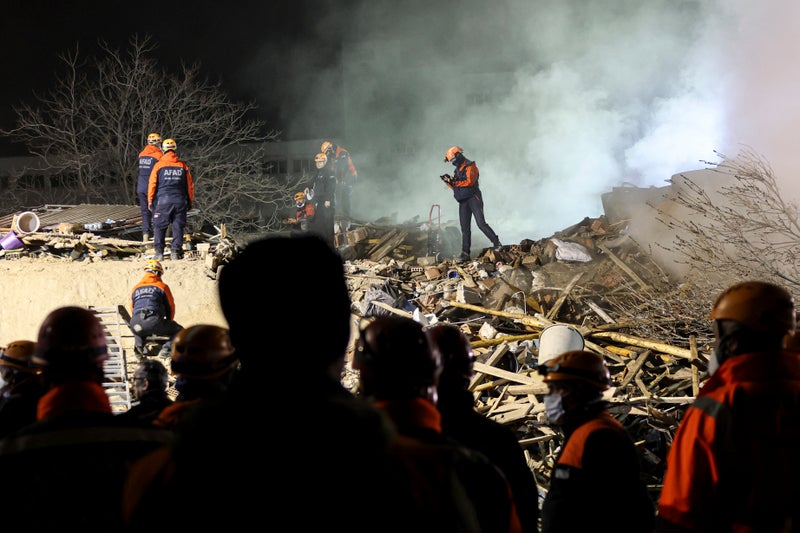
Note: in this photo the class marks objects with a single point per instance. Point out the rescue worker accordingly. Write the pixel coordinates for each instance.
(21, 386)
(152, 309)
(150, 382)
(463, 423)
(346, 174)
(66, 470)
(170, 196)
(323, 192)
(204, 363)
(734, 464)
(399, 372)
(304, 214)
(348, 485)
(598, 465)
(147, 158)
(466, 191)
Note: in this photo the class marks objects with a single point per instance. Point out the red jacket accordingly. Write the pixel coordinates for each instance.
(734, 463)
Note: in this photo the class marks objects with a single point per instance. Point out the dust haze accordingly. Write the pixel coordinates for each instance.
(557, 102)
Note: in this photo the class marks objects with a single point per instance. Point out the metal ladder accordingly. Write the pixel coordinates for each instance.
(115, 382)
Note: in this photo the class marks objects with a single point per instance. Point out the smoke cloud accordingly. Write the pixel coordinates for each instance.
(557, 102)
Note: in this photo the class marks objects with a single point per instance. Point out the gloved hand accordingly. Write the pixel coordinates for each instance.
(447, 178)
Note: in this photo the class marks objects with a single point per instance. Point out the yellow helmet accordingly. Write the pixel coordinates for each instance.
(299, 197)
(320, 160)
(19, 355)
(169, 144)
(326, 147)
(154, 139)
(153, 266)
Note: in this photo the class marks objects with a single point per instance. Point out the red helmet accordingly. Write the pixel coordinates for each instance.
(454, 349)
(577, 365)
(761, 306)
(202, 352)
(68, 335)
(451, 153)
(19, 355)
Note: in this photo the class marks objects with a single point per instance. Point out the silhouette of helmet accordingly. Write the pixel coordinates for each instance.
(299, 197)
(454, 349)
(394, 355)
(154, 139)
(202, 352)
(320, 160)
(451, 153)
(70, 335)
(169, 144)
(19, 355)
(577, 365)
(326, 147)
(153, 266)
(760, 306)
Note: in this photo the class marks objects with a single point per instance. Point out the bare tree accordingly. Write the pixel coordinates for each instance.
(88, 130)
(743, 230)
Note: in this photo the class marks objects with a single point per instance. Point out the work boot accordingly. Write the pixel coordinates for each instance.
(159, 256)
(463, 257)
(176, 254)
(145, 237)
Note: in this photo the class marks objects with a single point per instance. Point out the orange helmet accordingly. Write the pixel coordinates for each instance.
(299, 197)
(454, 348)
(394, 357)
(154, 139)
(19, 355)
(202, 352)
(326, 147)
(577, 365)
(451, 153)
(70, 335)
(760, 306)
(320, 160)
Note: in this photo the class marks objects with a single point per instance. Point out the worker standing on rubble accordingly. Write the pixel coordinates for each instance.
(304, 214)
(734, 464)
(147, 158)
(152, 309)
(170, 195)
(323, 193)
(598, 465)
(464, 184)
(463, 423)
(346, 174)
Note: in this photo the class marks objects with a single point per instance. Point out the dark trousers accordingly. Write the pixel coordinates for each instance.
(147, 216)
(164, 216)
(466, 210)
(323, 224)
(343, 192)
(144, 324)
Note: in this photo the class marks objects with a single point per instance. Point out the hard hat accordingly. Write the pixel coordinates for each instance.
(454, 349)
(153, 266)
(19, 355)
(327, 145)
(169, 144)
(320, 160)
(299, 197)
(451, 153)
(68, 335)
(202, 351)
(577, 365)
(760, 306)
(394, 354)
(154, 138)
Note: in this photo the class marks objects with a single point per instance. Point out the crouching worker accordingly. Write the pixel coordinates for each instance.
(153, 310)
(304, 216)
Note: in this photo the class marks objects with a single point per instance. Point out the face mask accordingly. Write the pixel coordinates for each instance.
(456, 161)
(553, 407)
(713, 363)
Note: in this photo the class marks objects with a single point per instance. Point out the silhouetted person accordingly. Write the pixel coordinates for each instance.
(463, 423)
(150, 383)
(22, 386)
